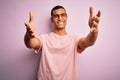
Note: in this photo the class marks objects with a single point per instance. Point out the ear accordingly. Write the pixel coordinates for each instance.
(51, 19)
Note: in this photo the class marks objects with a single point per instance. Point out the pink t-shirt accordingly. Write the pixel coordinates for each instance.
(58, 58)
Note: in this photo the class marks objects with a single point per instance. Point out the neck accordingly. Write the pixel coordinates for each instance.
(60, 32)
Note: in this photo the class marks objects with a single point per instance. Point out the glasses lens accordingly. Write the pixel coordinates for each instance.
(58, 15)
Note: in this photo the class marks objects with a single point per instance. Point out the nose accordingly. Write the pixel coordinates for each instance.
(59, 17)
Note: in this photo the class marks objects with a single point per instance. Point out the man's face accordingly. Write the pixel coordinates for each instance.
(59, 18)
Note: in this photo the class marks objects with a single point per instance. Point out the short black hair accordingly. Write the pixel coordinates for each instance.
(57, 7)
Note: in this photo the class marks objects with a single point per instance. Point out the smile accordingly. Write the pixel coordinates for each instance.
(61, 22)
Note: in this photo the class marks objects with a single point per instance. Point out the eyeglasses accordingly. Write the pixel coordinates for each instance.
(58, 15)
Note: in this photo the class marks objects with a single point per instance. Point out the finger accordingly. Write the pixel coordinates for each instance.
(96, 19)
(95, 24)
(27, 25)
(31, 16)
(91, 12)
(99, 13)
(33, 34)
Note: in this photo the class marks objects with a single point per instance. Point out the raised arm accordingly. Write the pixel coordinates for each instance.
(90, 39)
(31, 41)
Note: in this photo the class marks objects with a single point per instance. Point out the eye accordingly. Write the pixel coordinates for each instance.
(63, 15)
(58, 15)
(55, 16)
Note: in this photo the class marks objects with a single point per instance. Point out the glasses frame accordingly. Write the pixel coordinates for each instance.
(56, 16)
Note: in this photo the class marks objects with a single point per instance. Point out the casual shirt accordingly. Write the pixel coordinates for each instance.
(58, 58)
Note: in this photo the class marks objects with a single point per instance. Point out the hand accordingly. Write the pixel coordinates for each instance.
(94, 20)
(30, 25)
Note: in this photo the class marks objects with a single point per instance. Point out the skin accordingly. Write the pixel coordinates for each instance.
(60, 22)
(93, 23)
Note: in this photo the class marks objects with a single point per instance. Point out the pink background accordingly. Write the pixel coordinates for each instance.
(99, 62)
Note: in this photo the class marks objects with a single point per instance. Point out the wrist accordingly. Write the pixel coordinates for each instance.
(93, 30)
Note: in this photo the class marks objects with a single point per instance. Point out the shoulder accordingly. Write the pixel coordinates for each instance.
(44, 35)
(75, 37)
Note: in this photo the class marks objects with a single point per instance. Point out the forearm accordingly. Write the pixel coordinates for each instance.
(88, 41)
(91, 38)
(31, 41)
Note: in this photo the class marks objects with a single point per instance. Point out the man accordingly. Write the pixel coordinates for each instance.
(58, 59)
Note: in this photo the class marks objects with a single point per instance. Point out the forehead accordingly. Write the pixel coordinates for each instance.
(59, 11)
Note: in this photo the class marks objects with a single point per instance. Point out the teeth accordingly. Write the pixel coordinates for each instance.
(60, 22)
